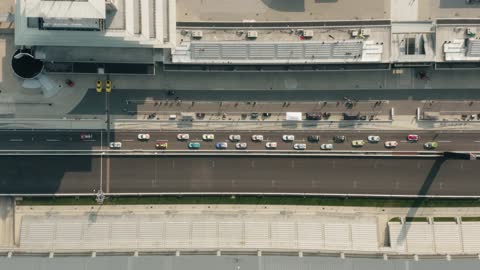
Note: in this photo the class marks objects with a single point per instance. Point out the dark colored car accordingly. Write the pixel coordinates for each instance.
(339, 139)
(313, 138)
(313, 116)
(254, 115)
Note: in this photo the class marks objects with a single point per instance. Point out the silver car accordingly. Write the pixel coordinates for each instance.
(257, 138)
(234, 138)
(208, 137)
(373, 139)
(300, 146)
(326, 146)
(288, 138)
(271, 145)
(241, 145)
(115, 145)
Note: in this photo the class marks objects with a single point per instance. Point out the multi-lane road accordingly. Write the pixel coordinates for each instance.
(56, 140)
(154, 174)
(47, 174)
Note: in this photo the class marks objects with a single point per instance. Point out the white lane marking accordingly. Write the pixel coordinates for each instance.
(16, 140)
(52, 140)
(444, 141)
(477, 141)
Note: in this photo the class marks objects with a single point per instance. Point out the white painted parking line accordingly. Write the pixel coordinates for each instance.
(444, 141)
(52, 140)
(477, 141)
(127, 140)
(16, 140)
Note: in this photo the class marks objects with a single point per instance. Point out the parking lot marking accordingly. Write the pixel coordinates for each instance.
(52, 140)
(16, 140)
(444, 141)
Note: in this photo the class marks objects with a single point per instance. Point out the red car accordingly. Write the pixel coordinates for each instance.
(413, 138)
(86, 136)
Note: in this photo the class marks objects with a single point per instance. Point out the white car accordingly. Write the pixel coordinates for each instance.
(300, 146)
(373, 139)
(257, 138)
(183, 137)
(208, 137)
(271, 145)
(241, 145)
(234, 138)
(391, 144)
(288, 138)
(115, 145)
(326, 146)
(143, 137)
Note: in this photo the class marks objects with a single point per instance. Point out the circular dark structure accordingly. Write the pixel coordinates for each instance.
(25, 65)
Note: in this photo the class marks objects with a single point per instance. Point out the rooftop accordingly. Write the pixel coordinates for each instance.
(92, 9)
(95, 23)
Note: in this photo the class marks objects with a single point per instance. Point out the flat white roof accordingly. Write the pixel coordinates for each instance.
(156, 18)
(87, 9)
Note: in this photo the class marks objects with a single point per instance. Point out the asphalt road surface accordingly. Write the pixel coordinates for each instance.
(84, 174)
(61, 140)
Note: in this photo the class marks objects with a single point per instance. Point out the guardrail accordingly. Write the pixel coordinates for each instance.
(257, 194)
(273, 153)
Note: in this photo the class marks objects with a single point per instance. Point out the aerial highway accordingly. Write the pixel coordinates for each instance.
(96, 140)
(160, 174)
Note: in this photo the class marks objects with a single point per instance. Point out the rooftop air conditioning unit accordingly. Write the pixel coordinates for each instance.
(308, 33)
(354, 33)
(252, 34)
(197, 34)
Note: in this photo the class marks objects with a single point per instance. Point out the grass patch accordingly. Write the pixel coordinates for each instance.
(395, 219)
(274, 200)
(416, 219)
(467, 219)
(444, 219)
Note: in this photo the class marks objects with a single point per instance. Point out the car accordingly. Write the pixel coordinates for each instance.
(391, 144)
(313, 138)
(241, 145)
(288, 138)
(221, 145)
(358, 143)
(99, 86)
(208, 137)
(271, 145)
(300, 146)
(254, 115)
(183, 136)
(108, 86)
(313, 116)
(234, 138)
(373, 139)
(326, 146)
(339, 138)
(194, 145)
(430, 145)
(413, 138)
(86, 136)
(257, 138)
(115, 145)
(161, 145)
(143, 137)
(266, 114)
